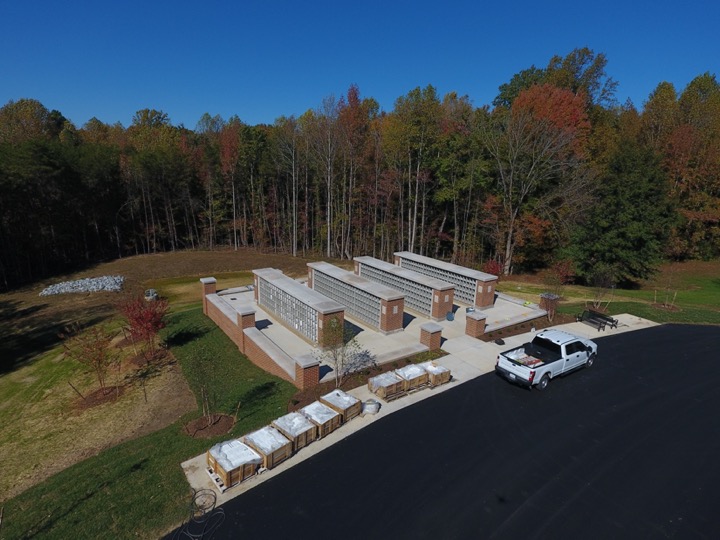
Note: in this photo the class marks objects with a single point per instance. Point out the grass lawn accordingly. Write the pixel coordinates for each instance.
(137, 489)
(680, 293)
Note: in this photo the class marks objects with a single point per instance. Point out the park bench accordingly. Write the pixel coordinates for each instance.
(596, 319)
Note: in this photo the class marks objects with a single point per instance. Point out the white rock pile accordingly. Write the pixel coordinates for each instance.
(102, 283)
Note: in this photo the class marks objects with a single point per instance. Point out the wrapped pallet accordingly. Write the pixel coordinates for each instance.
(297, 429)
(386, 385)
(233, 461)
(347, 406)
(413, 376)
(437, 374)
(323, 417)
(272, 446)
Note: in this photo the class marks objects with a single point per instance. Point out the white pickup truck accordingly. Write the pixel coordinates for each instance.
(549, 354)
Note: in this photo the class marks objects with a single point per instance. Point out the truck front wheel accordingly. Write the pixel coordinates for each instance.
(543, 384)
(590, 361)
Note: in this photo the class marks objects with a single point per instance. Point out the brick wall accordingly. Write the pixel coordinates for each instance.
(228, 326)
(260, 358)
(391, 315)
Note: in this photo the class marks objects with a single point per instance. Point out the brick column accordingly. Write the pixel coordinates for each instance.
(310, 277)
(356, 264)
(442, 303)
(256, 287)
(209, 286)
(324, 319)
(307, 371)
(396, 260)
(431, 335)
(475, 324)
(391, 315)
(485, 295)
(245, 319)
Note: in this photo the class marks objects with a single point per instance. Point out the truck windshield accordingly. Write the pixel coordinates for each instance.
(545, 347)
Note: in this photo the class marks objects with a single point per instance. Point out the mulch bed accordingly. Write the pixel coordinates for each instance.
(200, 428)
(99, 397)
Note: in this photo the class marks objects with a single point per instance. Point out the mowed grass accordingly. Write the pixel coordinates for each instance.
(184, 292)
(680, 293)
(137, 489)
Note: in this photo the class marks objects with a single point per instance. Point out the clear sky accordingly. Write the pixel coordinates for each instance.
(261, 59)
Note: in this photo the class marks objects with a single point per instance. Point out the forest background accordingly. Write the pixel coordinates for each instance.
(554, 173)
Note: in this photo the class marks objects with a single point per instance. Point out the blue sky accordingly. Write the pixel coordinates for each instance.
(263, 59)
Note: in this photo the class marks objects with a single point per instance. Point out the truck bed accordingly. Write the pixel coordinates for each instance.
(530, 356)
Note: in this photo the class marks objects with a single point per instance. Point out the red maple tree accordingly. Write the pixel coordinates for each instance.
(144, 322)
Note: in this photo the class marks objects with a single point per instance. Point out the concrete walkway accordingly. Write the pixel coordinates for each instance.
(467, 359)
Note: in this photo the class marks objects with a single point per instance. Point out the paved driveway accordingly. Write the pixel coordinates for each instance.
(627, 449)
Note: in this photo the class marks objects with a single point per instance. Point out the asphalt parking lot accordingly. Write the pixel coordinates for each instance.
(629, 448)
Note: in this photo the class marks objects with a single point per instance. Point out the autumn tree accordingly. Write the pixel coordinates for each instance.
(144, 321)
(90, 347)
(286, 137)
(538, 151)
(661, 115)
(460, 171)
(409, 140)
(580, 71)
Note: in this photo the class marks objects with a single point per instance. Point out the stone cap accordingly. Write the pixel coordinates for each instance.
(306, 361)
(376, 289)
(208, 280)
(404, 273)
(245, 310)
(448, 267)
(431, 327)
(476, 315)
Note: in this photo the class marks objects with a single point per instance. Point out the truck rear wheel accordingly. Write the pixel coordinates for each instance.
(543, 384)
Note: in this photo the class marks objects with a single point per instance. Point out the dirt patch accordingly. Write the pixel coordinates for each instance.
(99, 397)
(665, 307)
(206, 428)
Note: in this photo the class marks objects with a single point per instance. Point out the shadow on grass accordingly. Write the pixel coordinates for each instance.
(258, 393)
(185, 335)
(27, 333)
(252, 400)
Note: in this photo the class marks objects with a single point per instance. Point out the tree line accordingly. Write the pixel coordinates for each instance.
(554, 170)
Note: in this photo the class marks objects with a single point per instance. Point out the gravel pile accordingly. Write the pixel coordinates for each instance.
(102, 283)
